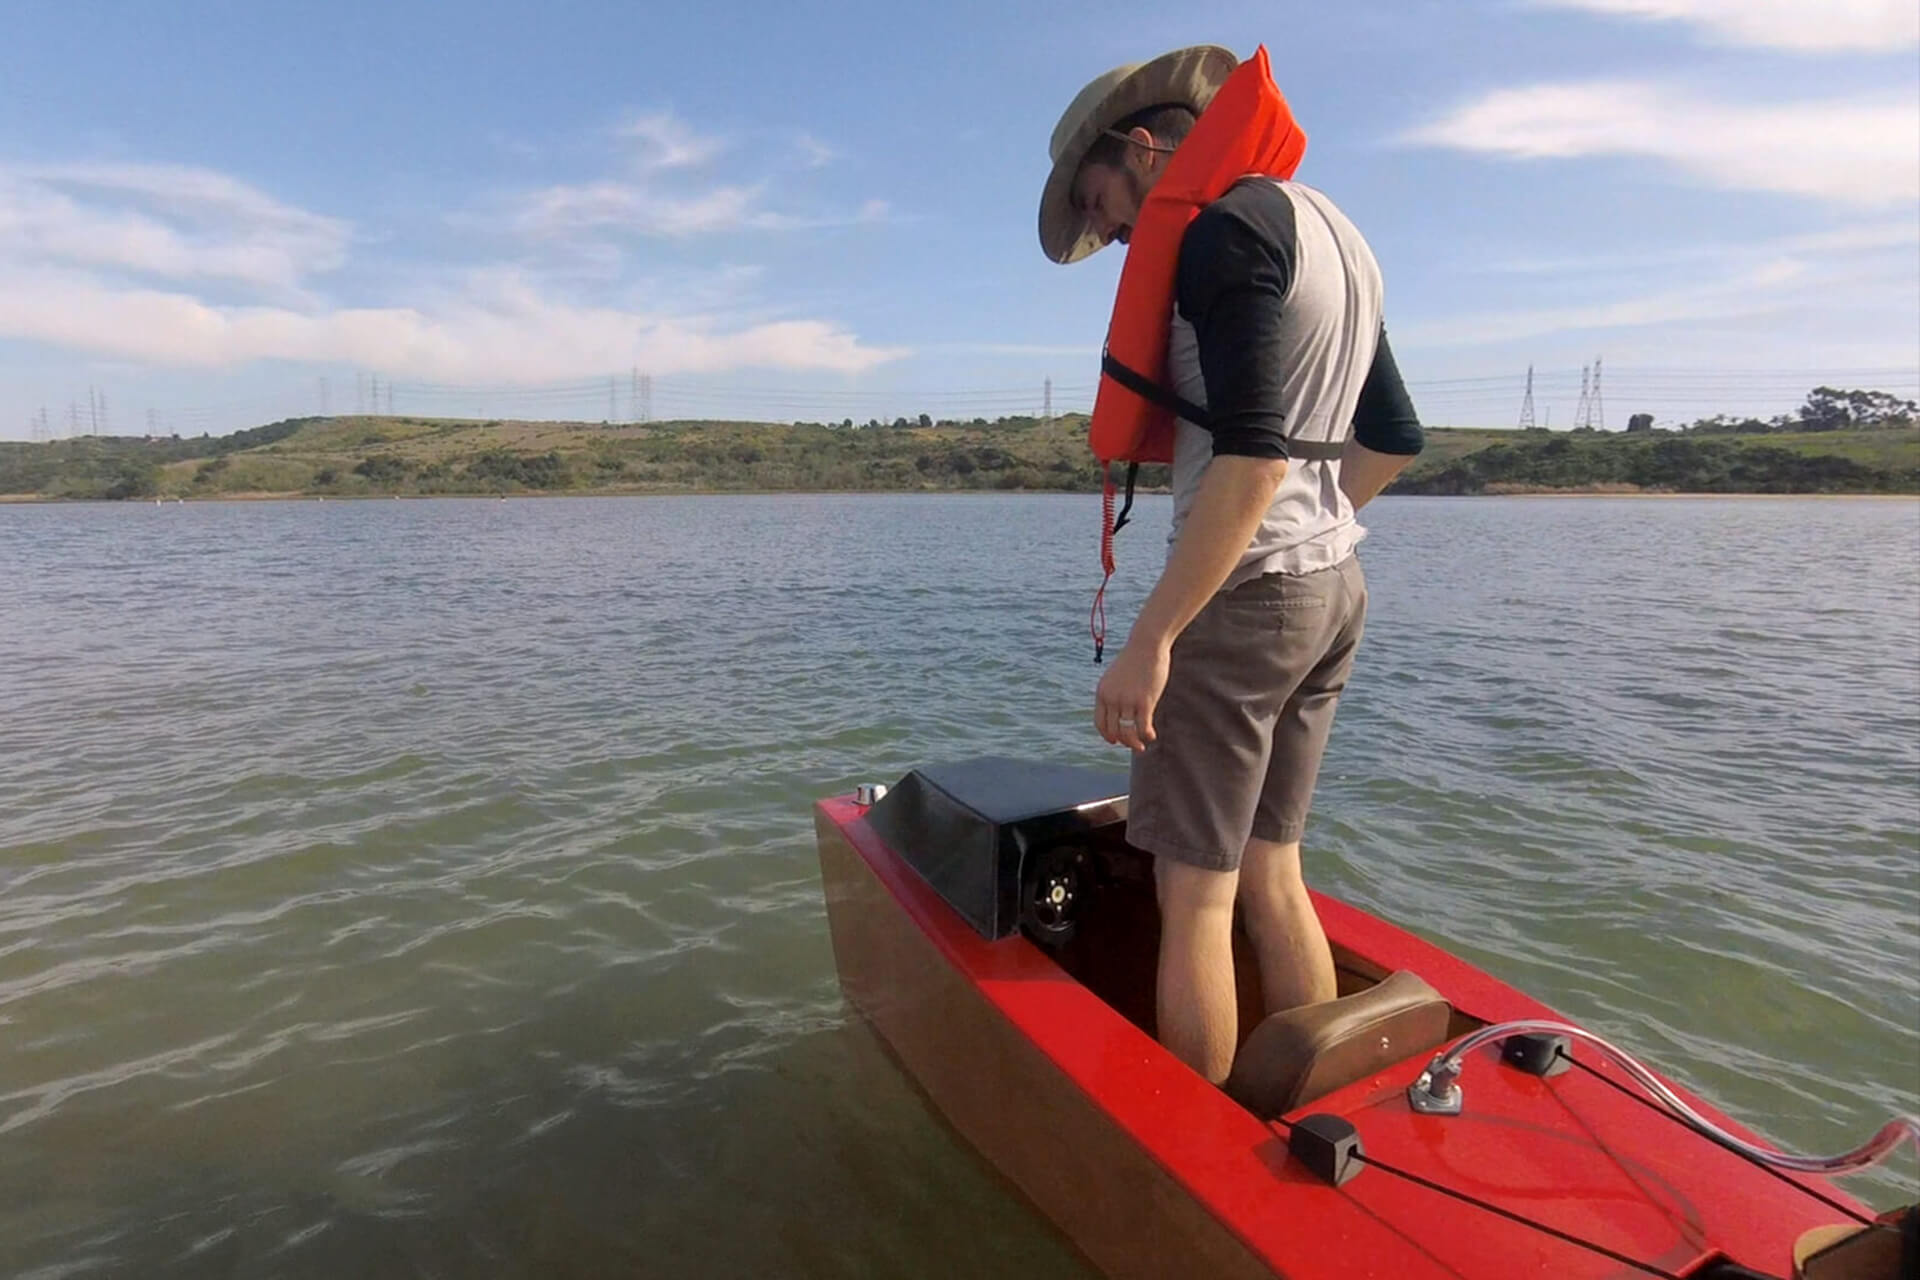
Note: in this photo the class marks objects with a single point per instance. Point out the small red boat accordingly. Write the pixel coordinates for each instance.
(991, 923)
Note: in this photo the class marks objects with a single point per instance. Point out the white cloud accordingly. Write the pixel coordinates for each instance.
(565, 210)
(640, 197)
(501, 329)
(1850, 238)
(1756, 291)
(668, 142)
(174, 222)
(1812, 26)
(114, 262)
(639, 210)
(1842, 287)
(1859, 151)
(814, 154)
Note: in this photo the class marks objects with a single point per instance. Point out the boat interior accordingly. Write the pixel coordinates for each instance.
(1015, 846)
(1111, 944)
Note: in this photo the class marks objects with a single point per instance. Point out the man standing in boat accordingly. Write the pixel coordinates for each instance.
(1264, 311)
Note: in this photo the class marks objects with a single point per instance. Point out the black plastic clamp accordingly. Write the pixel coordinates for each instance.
(1537, 1053)
(1328, 1145)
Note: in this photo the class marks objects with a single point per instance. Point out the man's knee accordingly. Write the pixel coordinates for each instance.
(1270, 876)
(1190, 893)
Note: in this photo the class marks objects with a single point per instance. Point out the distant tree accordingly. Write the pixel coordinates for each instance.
(383, 468)
(133, 479)
(1640, 422)
(1831, 409)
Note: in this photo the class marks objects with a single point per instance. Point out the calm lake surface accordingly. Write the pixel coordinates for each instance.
(428, 888)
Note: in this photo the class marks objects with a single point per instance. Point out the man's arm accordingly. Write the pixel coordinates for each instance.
(1232, 284)
(1234, 494)
(1364, 472)
(1386, 431)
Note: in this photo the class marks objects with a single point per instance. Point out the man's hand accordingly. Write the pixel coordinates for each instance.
(1130, 690)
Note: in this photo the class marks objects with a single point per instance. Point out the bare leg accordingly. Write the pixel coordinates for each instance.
(1198, 1017)
(1296, 965)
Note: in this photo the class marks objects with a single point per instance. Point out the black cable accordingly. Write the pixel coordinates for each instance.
(1645, 1101)
(1509, 1215)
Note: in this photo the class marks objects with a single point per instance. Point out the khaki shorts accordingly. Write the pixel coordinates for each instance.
(1240, 730)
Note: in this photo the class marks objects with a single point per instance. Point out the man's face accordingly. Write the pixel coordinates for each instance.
(1110, 196)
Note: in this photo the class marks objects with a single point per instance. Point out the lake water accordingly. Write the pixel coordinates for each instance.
(428, 888)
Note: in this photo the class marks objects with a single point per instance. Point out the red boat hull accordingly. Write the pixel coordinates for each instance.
(1152, 1172)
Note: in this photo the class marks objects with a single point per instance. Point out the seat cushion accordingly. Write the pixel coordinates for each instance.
(1301, 1054)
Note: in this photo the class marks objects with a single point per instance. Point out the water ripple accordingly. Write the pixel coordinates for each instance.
(428, 887)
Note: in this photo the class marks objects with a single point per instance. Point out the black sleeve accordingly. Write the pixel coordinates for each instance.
(1384, 420)
(1236, 264)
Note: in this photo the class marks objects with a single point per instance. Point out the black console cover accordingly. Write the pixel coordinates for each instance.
(967, 826)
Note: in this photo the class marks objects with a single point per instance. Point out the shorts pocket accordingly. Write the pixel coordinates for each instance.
(1276, 600)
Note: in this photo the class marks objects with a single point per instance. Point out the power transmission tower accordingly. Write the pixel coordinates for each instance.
(613, 408)
(1599, 407)
(375, 379)
(1526, 405)
(103, 424)
(93, 412)
(646, 397)
(73, 417)
(1046, 403)
(1580, 421)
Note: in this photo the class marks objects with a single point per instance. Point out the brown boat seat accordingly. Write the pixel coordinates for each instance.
(1301, 1054)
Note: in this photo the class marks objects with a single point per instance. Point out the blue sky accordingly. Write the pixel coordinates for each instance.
(211, 215)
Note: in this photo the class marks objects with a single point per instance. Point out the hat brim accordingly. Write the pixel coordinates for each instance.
(1188, 76)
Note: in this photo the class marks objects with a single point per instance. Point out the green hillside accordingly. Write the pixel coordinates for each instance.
(380, 456)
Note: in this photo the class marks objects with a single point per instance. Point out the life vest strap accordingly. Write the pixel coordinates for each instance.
(1147, 389)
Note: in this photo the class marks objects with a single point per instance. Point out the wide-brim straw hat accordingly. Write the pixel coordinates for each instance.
(1186, 77)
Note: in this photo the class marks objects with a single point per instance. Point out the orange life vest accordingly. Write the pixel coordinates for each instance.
(1246, 129)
